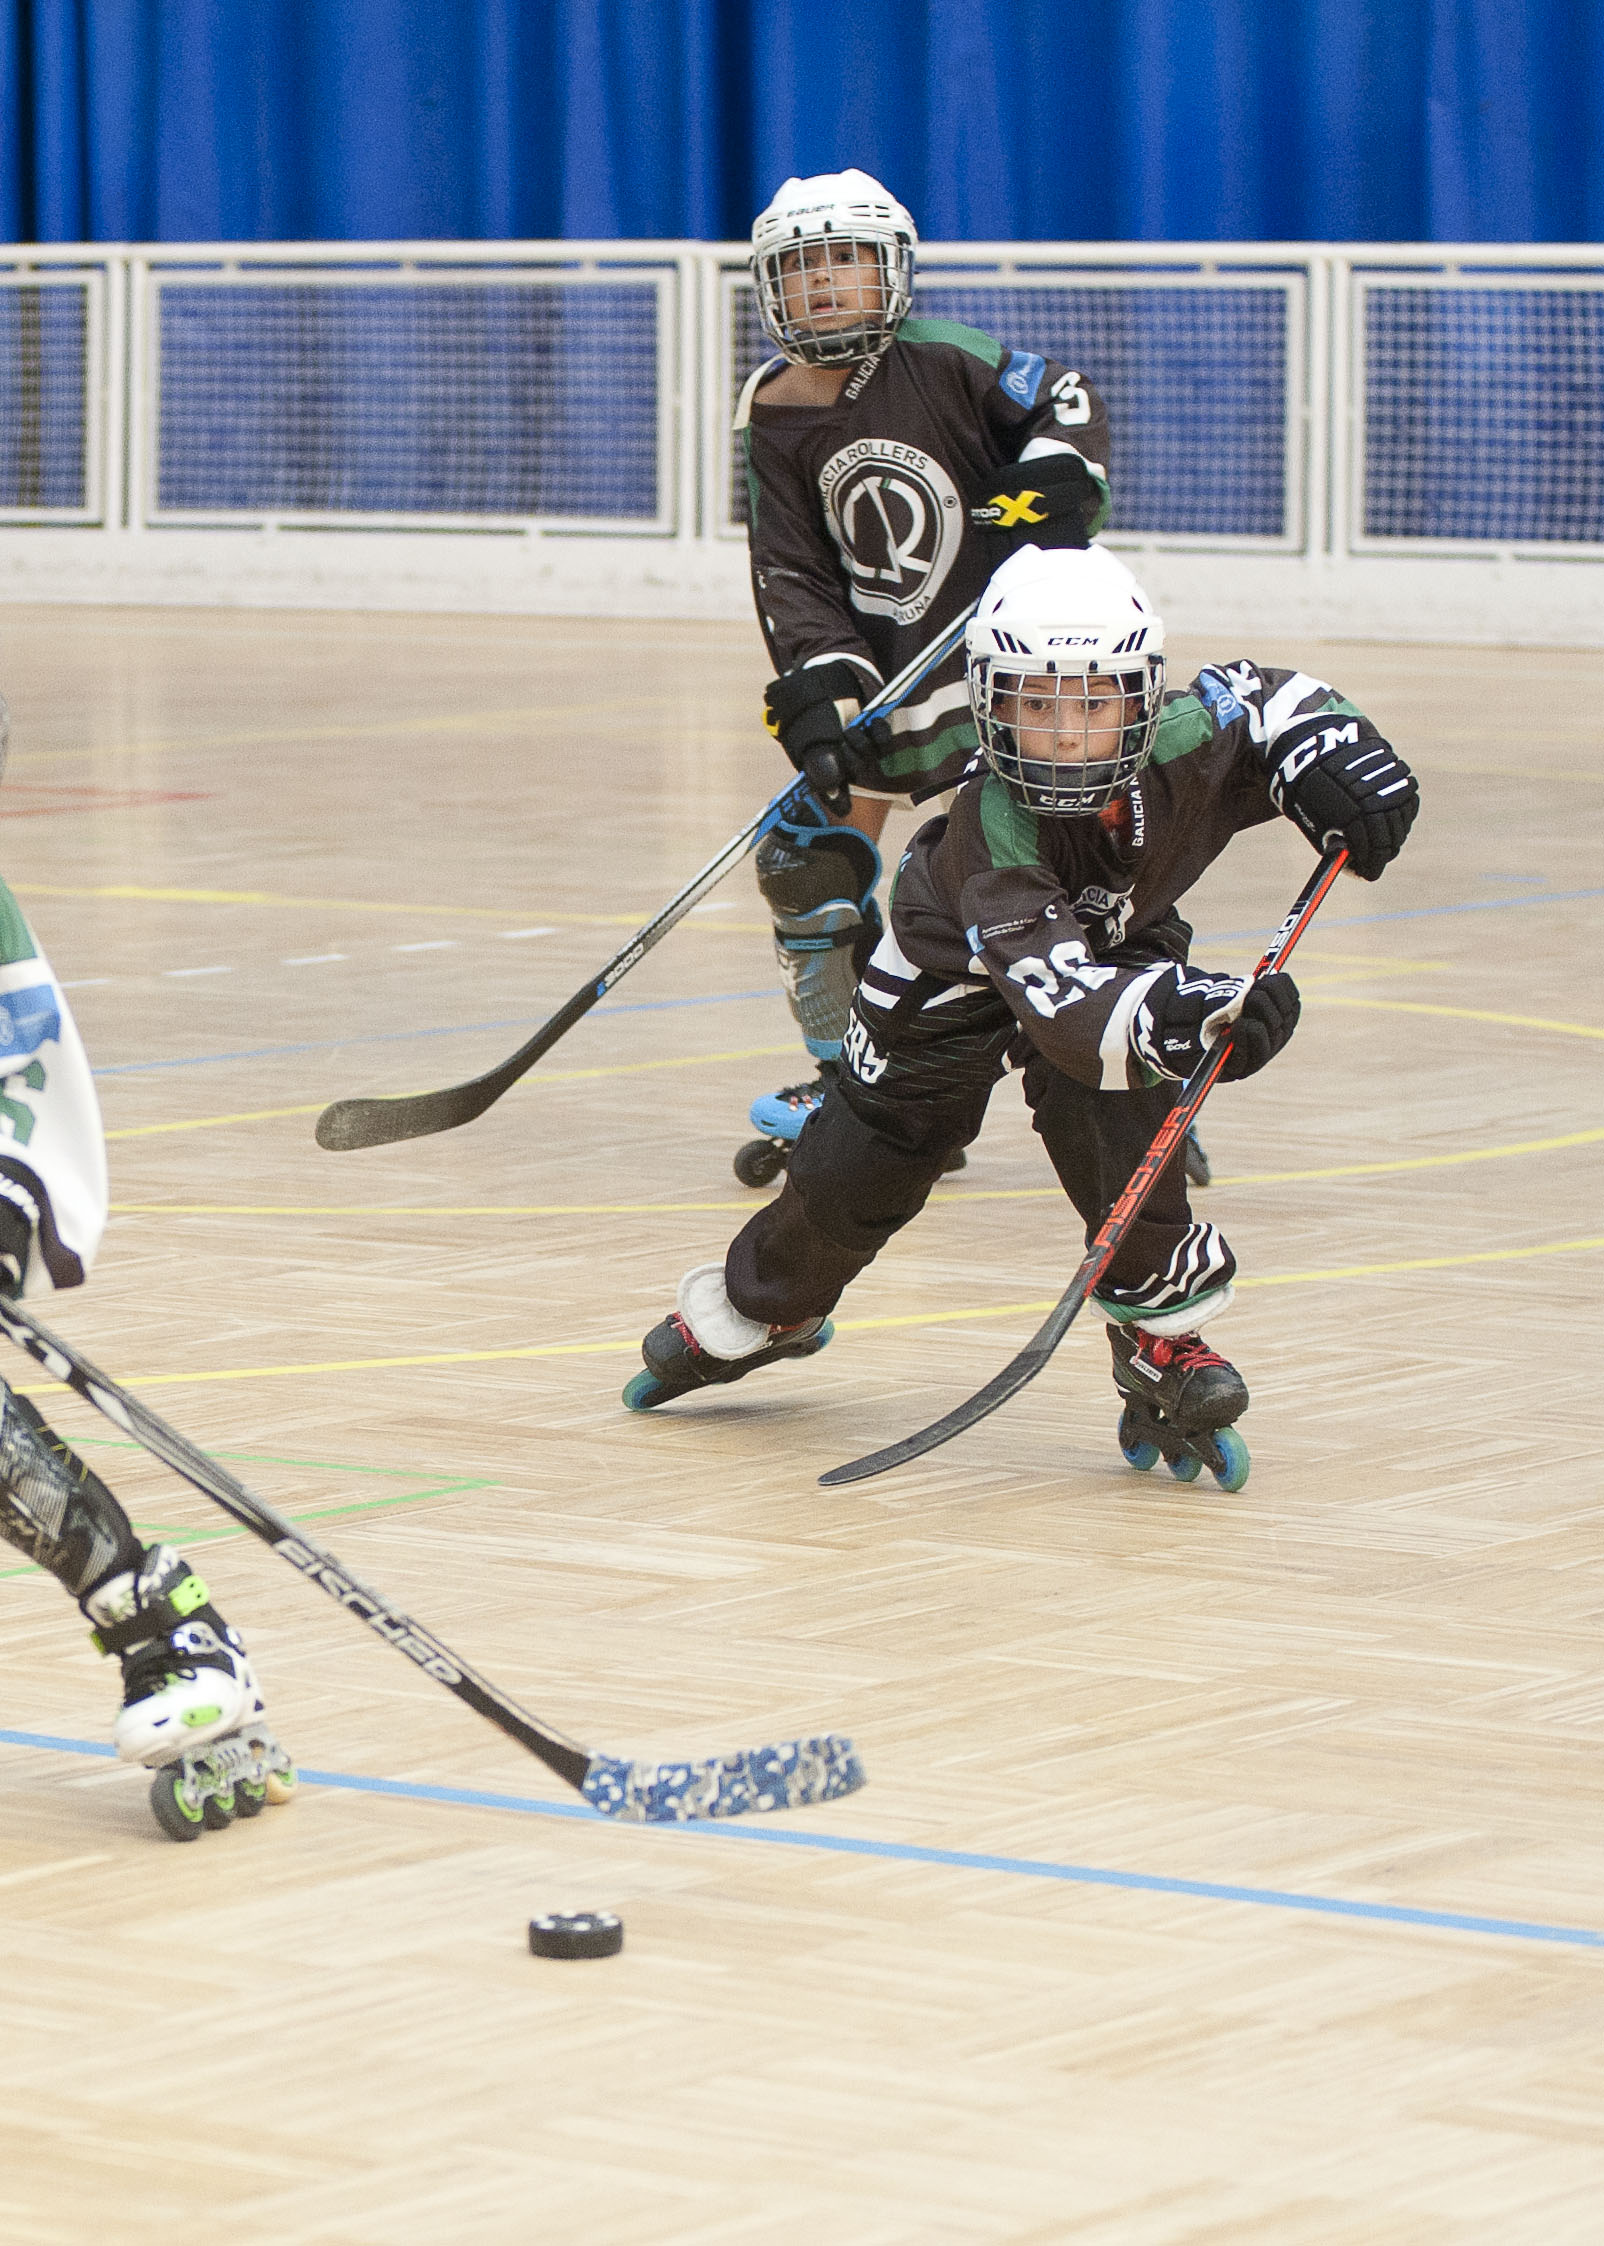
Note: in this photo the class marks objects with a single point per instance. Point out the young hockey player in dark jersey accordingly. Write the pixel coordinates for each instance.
(890, 464)
(191, 1707)
(1036, 924)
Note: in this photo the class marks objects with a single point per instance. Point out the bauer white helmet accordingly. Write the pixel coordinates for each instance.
(1066, 677)
(832, 263)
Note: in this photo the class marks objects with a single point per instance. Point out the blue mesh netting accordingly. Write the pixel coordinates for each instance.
(1194, 378)
(468, 398)
(1484, 413)
(43, 395)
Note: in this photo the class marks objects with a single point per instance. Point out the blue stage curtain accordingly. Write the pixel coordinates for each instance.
(1208, 120)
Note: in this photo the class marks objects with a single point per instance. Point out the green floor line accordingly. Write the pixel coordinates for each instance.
(260, 1458)
(161, 1532)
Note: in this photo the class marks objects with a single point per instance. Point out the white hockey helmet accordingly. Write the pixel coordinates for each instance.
(1065, 659)
(822, 227)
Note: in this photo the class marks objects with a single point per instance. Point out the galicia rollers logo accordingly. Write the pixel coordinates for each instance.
(897, 518)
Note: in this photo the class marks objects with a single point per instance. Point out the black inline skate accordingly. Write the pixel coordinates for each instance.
(1195, 1156)
(676, 1362)
(1181, 1398)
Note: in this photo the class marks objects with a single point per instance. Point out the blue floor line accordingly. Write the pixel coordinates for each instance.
(407, 1036)
(730, 997)
(1423, 912)
(908, 1852)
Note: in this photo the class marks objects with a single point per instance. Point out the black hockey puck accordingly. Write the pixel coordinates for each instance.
(577, 1934)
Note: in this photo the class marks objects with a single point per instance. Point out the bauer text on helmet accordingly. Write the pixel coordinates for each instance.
(1066, 678)
(832, 263)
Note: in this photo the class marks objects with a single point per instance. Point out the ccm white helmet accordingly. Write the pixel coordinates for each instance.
(832, 262)
(1066, 677)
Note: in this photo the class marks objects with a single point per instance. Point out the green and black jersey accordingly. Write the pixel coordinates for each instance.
(859, 523)
(1066, 917)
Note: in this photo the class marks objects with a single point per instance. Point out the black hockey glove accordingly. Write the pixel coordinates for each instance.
(1054, 501)
(811, 712)
(1186, 1012)
(1341, 782)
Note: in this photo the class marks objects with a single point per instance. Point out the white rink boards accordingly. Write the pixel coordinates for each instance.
(1228, 1867)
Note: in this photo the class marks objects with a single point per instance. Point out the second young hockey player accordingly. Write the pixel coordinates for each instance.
(890, 463)
(1036, 925)
(191, 1706)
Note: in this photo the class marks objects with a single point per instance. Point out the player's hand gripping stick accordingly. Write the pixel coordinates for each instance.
(1118, 1222)
(418, 1115)
(790, 1775)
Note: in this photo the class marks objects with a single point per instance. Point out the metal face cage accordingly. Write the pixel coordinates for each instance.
(829, 299)
(1066, 742)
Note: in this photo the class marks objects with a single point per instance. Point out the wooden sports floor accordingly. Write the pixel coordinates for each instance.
(1231, 1869)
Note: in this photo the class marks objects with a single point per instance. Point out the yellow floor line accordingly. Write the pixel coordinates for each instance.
(129, 892)
(950, 1317)
(545, 1076)
(951, 1198)
(1467, 1014)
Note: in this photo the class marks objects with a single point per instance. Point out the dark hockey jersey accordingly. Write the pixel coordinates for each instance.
(1066, 918)
(858, 515)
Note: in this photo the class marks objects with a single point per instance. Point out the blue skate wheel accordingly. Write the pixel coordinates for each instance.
(1186, 1469)
(1135, 1449)
(1234, 1451)
(643, 1392)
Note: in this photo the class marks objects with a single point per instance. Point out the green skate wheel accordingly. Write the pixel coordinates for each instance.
(178, 1814)
(1234, 1453)
(643, 1392)
(1135, 1449)
(1186, 1469)
(250, 1797)
(282, 1785)
(220, 1810)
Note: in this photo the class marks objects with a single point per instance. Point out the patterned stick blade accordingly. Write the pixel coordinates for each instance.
(791, 1776)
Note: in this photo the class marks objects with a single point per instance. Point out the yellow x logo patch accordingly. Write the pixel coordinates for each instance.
(1011, 512)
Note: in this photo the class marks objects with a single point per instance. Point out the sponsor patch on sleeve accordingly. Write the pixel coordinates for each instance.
(1021, 377)
(1220, 696)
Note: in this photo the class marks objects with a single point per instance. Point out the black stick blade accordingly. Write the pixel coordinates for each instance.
(1016, 1374)
(348, 1124)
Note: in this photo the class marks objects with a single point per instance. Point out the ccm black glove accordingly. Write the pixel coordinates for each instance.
(811, 712)
(1341, 782)
(1054, 501)
(1186, 1011)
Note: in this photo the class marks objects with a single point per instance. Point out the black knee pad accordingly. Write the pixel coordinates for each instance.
(801, 867)
(55, 1508)
(819, 884)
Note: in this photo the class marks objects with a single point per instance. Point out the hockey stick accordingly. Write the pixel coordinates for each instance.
(346, 1124)
(792, 1775)
(1118, 1222)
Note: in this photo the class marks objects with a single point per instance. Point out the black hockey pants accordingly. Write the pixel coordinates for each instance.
(867, 1159)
